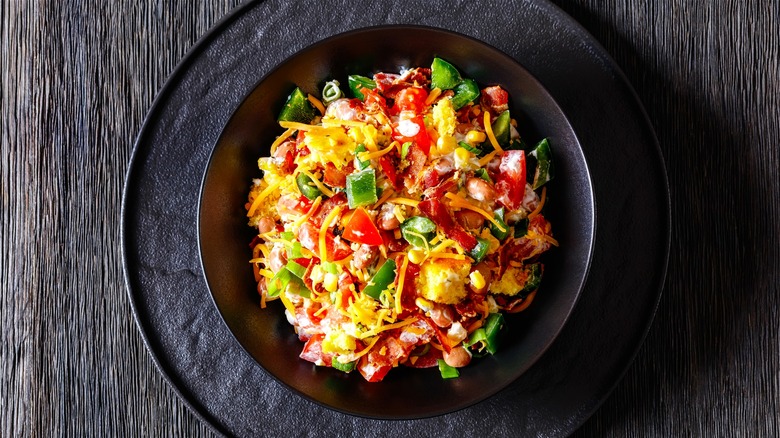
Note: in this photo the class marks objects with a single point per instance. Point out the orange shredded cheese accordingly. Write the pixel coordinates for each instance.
(367, 349)
(404, 201)
(386, 327)
(317, 104)
(489, 132)
(524, 305)
(486, 159)
(365, 156)
(324, 231)
(279, 140)
(433, 95)
(298, 126)
(385, 196)
(461, 202)
(267, 191)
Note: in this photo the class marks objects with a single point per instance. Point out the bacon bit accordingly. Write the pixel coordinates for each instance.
(434, 210)
(335, 177)
(337, 200)
(495, 98)
(417, 158)
(388, 165)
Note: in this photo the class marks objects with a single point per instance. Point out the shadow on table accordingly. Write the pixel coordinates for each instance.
(713, 315)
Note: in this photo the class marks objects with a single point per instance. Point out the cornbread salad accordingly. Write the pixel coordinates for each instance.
(399, 222)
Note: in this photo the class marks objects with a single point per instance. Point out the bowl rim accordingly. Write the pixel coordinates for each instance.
(591, 196)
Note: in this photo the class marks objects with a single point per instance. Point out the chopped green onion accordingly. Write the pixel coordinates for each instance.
(493, 326)
(483, 173)
(331, 91)
(405, 149)
(330, 267)
(361, 165)
(497, 232)
(279, 282)
(361, 188)
(297, 269)
(381, 280)
(447, 372)
(345, 367)
(470, 148)
(479, 252)
(288, 235)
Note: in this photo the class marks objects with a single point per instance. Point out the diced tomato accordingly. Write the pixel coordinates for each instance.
(309, 236)
(511, 179)
(495, 98)
(339, 198)
(410, 99)
(312, 351)
(373, 102)
(434, 210)
(388, 166)
(361, 229)
(412, 129)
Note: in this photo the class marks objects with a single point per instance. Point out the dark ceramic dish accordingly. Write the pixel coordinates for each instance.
(267, 336)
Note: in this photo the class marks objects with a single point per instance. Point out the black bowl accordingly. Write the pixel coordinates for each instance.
(265, 333)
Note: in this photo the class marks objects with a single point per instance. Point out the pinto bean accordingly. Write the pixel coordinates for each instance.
(278, 258)
(386, 220)
(457, 358)
(470, 220)
(265, 224)
(442, 315)
(480, 190)
(365, 256)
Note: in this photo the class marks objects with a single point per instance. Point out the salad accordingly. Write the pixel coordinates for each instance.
(397, 224)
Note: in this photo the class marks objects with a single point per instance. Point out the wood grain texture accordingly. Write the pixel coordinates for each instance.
(77, 81)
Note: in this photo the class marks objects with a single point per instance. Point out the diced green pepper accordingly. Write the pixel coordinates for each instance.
(444, 75)
(497, 232)
(447, 372)
(361, 188)
(544, 166)
(384, 276)
(356, 82)
(521, 228)
(534, 272)
(493, 326)
(479, 252)
(501, 129)
(297, 108)
(307, 187)
(345, 367)
(465, 92)
(360, 163)
(418, 230)
(405, 149)
(470, 148)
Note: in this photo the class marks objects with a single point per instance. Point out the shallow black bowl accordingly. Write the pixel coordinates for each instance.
(224, 235)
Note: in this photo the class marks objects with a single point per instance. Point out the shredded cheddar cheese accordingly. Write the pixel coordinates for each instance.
(489, 132)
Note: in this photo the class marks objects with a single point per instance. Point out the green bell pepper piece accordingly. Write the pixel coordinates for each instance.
(521, 228)
(297, 108)
(534, 278)
(493, 326)
(307, 187)
(501, 128)
(384, 276)
(284, 279)
(447, 372)
(418, 230)
(465, 92)
(499, 234)
(544, 167)
(356, 82)
(361, 188)
(444, 75)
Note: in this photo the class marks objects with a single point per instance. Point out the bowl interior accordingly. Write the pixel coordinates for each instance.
(265, 333)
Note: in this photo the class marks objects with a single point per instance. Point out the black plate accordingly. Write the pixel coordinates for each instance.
(223, 385)
(266, 334)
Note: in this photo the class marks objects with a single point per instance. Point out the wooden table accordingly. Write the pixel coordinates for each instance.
(78, 79)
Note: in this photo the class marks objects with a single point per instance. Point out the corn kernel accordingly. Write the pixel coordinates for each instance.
(416, 256)
(462, 157)
(423, 304)
(474, 137)
(330, 282)
(477, 280)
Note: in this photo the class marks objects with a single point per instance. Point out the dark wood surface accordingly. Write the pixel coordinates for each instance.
(77, 81)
